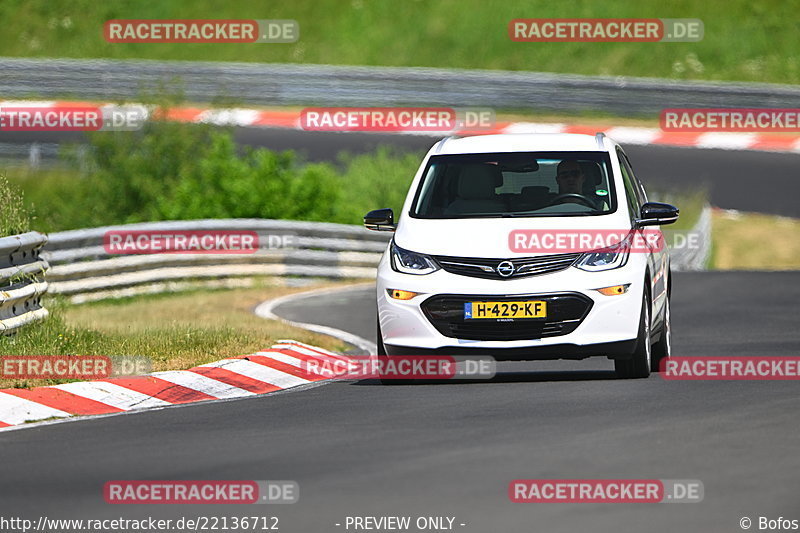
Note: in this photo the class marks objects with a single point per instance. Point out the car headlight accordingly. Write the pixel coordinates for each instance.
(605, 259)
(409, 262)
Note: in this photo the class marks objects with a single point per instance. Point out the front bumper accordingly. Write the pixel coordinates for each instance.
(612, 350)
(605, 325)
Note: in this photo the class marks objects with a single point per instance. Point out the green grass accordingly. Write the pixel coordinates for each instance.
(754, 241)
(744, 40)
(175, 331)
(14, 216)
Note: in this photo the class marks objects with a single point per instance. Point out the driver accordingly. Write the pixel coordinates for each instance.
(569, 177)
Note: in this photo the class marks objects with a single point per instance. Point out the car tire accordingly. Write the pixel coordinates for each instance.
(638, 365)
(382, 356)
(662, 350)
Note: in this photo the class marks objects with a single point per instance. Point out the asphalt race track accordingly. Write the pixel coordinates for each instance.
(357, 448)
(713, 318)
(746, 180)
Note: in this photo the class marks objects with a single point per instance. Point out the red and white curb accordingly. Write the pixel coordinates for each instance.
(279, 368)
(623, 134)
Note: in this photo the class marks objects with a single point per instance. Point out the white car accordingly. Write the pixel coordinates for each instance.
(459, 276)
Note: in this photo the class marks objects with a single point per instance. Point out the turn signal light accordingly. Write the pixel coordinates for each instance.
(614, 290)
(397, 294)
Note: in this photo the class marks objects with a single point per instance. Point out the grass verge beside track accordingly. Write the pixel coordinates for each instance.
(752, 241)
(176, 331)
(743, 40)
(14, 217)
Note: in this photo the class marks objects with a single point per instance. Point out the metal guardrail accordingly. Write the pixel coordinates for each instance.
(21, 281)
(695, 257)
(292, 84)
(34, 154)
(81, 265)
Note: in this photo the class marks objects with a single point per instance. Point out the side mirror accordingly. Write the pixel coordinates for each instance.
(657, 214)
(380, 220)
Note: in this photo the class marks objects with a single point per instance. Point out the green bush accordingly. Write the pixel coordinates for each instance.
(174, 171)
(374, 181)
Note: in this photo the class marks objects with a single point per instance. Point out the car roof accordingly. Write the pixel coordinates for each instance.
(520, 142)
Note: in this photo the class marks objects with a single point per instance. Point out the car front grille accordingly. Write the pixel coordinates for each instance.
(523, 266)
(565, 312)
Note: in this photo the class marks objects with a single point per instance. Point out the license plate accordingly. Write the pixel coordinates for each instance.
(501, 310)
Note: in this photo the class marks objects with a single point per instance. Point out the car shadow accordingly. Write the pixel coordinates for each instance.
(511, 377)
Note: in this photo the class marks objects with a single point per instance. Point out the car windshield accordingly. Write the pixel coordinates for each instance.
(516, 184)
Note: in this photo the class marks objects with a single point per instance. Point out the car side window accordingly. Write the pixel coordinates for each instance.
(634, 207)
(641, 194)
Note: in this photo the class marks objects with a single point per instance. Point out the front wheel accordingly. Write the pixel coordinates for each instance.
(638, 366)
(663, 348)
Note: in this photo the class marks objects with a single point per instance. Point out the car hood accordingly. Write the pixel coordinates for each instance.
(489, 237)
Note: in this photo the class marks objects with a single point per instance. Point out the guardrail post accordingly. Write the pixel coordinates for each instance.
(22, 282)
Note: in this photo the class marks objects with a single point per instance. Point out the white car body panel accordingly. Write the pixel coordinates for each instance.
(611, 319)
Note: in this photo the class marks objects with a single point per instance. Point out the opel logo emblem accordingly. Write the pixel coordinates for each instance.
(505, 269)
